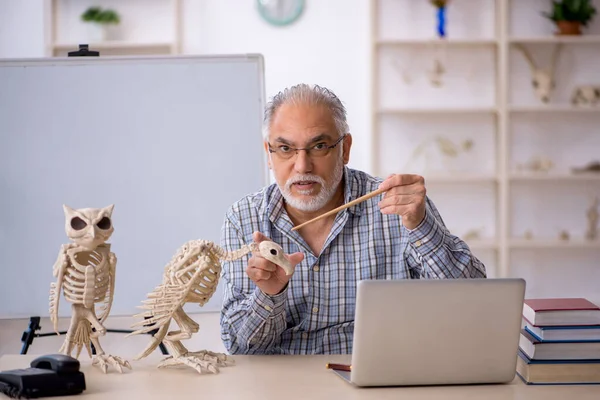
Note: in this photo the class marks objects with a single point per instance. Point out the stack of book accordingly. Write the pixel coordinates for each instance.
(560, 342)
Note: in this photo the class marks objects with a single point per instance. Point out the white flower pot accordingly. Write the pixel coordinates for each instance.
(112, 32)
(96, 32)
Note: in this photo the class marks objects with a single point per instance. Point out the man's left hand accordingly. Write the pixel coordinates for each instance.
(404, 196)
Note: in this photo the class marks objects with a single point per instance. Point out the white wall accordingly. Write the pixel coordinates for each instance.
(328, 45)
(22, 28)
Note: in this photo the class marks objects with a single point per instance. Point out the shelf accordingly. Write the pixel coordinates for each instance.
(440, 110)
(553, 244)
(482, 244)
(549, 177)
(436, 41)
(583, 39)
(554, 109)
(459, 178)
(115, 45)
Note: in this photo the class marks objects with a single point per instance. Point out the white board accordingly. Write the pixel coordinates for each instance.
(172, 142)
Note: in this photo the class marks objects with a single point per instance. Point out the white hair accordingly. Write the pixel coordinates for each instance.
(307, 94)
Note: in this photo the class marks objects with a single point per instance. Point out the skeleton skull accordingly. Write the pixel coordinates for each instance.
(542, 80)
(587, 94)
(543, 84)
(88, 227)
(274, 253)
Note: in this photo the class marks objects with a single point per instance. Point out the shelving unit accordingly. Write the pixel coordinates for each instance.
(555, 177)
(559, 108)
(440, 110)
(137, 31)
(554, 244)
(584, 39)
(487, 96)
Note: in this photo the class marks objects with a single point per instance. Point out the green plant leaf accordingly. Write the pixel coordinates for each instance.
(582, 11)
(96, 14)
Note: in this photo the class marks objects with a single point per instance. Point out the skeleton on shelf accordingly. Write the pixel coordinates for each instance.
(543, 80)
(85, 273)
(192, 276)
(536, 164)
(446, 147)
(435, 72)
(586, 95)
(473, 234)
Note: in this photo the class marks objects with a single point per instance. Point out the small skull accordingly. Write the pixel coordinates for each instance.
(543, 85)
(274, 253)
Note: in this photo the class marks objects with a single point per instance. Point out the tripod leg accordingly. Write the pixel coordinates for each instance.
(29, 333)
(163, 348)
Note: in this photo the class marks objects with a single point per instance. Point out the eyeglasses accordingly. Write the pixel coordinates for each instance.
(320, 149)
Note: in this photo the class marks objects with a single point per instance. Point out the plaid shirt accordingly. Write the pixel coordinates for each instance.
(315, 313)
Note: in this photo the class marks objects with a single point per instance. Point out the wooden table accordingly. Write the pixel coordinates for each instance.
(281, 378)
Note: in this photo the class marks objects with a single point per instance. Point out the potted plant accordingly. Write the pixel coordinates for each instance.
(570, 15)
(99, 20)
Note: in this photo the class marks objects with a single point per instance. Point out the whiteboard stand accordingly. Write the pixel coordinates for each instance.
(34, 325)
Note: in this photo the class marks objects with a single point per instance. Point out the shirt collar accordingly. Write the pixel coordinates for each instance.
(352, 191)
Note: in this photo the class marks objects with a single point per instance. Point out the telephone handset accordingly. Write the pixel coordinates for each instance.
(59, 363)
(49, 375)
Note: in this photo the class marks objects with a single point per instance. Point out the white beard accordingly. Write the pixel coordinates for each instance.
(319, 200)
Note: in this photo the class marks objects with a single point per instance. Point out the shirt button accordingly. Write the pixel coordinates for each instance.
(418, 243)
(316, 268)
(315, 309)
(268, 308)
(304, 335)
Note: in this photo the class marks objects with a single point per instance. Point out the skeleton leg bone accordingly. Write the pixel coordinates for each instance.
(201, 361)
(78, 332)
(101, 358)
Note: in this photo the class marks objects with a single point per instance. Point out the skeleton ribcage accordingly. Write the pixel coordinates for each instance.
(195, 262)
(86, 278)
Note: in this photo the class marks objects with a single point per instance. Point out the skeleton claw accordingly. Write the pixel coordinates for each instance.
(103, 360)
(201, 361)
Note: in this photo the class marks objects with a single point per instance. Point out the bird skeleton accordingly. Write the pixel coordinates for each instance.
(85, 273)
(192, 276)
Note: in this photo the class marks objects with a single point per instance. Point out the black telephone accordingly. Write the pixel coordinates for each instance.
(49, 375)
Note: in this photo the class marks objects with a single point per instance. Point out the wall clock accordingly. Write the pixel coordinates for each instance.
(280, 12)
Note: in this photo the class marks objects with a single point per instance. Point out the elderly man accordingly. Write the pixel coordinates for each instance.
(397, 235)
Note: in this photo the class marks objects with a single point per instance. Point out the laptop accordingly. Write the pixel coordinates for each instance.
(436, 332)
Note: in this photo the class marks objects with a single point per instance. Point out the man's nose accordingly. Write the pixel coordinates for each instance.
(303, 162)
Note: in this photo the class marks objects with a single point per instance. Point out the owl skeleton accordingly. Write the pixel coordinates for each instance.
(85, 274)
(192, 276)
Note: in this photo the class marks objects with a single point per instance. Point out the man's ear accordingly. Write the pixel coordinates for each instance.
(266, 146)
(347, 145)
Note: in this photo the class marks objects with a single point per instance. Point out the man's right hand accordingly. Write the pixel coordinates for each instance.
(269, 277)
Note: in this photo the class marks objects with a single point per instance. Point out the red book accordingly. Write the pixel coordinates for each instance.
(561, 311)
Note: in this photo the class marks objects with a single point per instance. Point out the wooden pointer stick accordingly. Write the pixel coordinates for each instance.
(335, 210)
